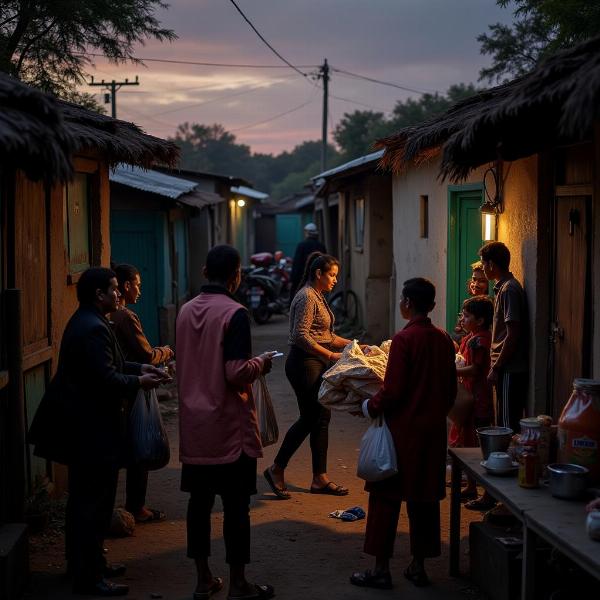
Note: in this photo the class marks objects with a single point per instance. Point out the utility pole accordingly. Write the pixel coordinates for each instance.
(324, 75)
(113, 86)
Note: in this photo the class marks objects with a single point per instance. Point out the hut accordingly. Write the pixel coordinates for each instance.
(365, 240)
(54, 223)
(532, 149)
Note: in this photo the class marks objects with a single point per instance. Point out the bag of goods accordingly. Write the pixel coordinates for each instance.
(377, 454)
(267, 421)
(462, 408)
(356, 376)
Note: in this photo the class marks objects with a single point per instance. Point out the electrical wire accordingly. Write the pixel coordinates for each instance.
(207, 64)
(287, 112)
(381, 82)
(287, 62)
(385, 110)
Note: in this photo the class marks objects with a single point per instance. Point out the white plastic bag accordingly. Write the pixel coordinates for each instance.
(267, 421)
(377, 455)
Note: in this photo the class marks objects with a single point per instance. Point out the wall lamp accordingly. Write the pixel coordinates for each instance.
(241, 203)
(492, 203)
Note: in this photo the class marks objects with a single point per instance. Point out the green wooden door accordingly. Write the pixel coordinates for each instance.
(137, 238)
(288, 233)
(34, 383)
(464, 242)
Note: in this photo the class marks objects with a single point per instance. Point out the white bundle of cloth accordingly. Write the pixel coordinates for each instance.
(356, 376)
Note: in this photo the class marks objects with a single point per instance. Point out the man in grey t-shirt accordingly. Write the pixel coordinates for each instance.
(509, 368)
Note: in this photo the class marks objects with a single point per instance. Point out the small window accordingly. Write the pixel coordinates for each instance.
(77, 223)
(359, 223)
(424, 215)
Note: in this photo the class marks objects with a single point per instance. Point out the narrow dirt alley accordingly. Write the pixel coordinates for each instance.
(296, 546)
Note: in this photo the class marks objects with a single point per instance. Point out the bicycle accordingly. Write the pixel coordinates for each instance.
(346, 311)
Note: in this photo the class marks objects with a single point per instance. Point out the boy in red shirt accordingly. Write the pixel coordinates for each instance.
(476, 319)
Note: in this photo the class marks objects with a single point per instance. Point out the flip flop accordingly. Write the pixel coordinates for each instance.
(215, 586)
(157, 515)
(332, 489)
(263, 592)
(281, 493)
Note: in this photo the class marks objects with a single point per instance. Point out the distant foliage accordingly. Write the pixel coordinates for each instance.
(357, 131)
(541, 28)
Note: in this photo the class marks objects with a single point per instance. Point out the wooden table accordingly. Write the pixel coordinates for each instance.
(559, 522)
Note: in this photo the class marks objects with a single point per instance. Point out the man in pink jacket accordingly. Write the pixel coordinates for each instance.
(219, 438)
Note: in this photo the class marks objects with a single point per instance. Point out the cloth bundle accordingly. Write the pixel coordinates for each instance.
(350, 514)
(355, 377)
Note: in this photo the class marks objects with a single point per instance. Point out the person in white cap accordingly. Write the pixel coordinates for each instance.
(304, 249)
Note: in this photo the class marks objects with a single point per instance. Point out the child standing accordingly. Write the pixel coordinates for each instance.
(476, 319)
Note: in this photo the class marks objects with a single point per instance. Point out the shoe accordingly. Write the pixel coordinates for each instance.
(261, 592)
(102, 588)
(418, 578)
(331, 489)
(111, 571)
(380, 581)
(281, 493)
(482, 504)
(468, 495)
(154, 516)
(215, 586)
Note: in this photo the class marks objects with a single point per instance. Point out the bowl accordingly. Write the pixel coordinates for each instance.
(493, 439)
(499, 461)
(567, 481)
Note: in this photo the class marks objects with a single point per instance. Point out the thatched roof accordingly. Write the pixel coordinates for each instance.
(556, 103)
(33, 136)
(117, 141)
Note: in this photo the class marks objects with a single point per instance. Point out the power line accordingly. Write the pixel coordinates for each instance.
(289, 64)
(287, 112)
(360, 103)
(209, 64)
(380, 81)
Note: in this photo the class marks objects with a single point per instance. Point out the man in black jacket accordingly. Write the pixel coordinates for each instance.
(303, 250)
(81, 422)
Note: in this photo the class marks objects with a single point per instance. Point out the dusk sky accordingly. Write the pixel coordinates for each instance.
(426, 45)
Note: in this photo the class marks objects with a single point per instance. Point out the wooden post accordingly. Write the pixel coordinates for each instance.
(15, 410)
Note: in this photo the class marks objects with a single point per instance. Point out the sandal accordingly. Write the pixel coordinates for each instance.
(262, 592)
(215, 586)
(156, 515)
(331, 488)
(380, 581)
(418, 578)
(482, 504)
(281, 493)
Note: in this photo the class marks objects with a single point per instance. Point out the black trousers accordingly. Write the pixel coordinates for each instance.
(135, 489)
(92, 491)
(304, 372)
(235, 483)
(511, 397)
(382, 522)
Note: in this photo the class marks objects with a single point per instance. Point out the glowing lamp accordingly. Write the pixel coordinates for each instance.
(241, 203)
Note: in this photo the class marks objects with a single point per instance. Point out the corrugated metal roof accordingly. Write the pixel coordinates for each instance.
(201, 198)
(152, 181)
(250, 192)
(357, 162)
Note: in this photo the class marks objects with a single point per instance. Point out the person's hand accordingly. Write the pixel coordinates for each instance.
(365, 348)
(149, 381)
(335, 356)
(267, 358)
(593, 505)
(170, 352)
(156, 372)
(492, 376)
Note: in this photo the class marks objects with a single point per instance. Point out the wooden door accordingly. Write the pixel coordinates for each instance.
(288, 233)
(571, 326)
(464, 242)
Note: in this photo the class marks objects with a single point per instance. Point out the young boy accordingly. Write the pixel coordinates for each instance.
(476, 320)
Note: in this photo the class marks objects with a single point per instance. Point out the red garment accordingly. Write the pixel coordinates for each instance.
(217, 415)
(475, 348)
(418, 391)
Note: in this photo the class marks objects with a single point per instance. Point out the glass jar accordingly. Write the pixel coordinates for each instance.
(529, 458)
(579, 428)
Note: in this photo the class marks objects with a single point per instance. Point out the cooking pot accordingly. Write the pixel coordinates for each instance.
(567, 481)
(493, 439)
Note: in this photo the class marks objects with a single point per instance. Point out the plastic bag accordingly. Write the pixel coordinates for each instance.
(463, 405)
(149, 444)
(267, 421)
(377, 454)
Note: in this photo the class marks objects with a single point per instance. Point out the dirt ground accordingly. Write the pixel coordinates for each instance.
(296, 546)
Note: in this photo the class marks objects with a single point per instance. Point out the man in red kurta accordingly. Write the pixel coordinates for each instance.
(418, 391)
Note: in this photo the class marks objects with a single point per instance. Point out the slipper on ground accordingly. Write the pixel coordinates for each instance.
(281, 493)
(262, 592)
(215, 586)
(332, 489)
(157, 515)
(379, 581)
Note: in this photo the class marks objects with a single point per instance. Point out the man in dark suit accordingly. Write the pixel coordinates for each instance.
(81, 422)
(303, 250)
